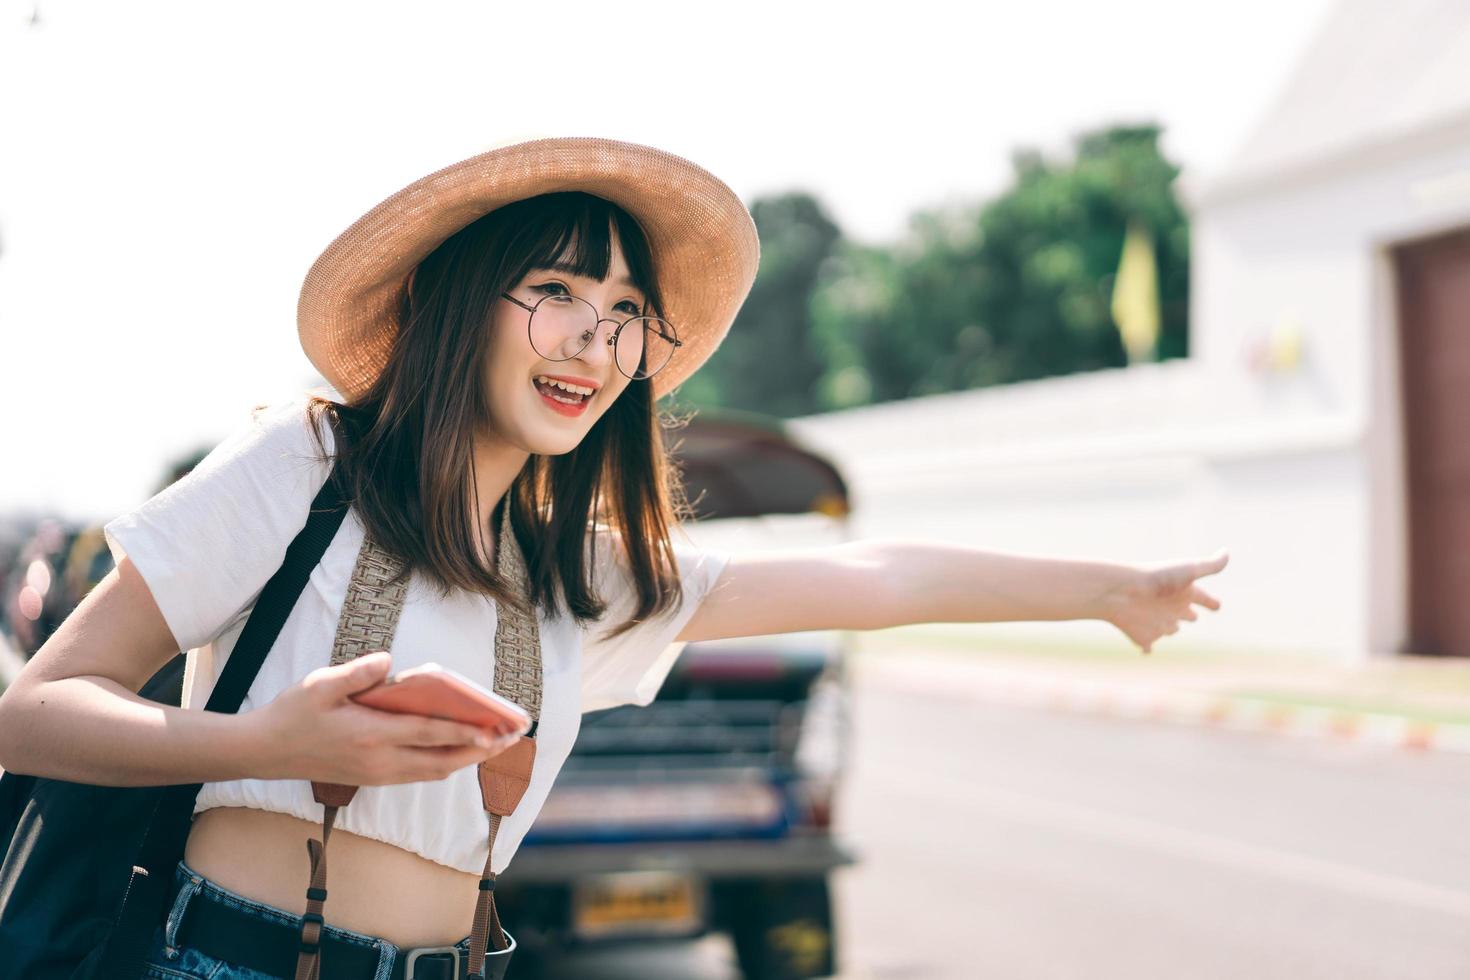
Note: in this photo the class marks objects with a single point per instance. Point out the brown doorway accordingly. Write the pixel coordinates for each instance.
(1433, 278)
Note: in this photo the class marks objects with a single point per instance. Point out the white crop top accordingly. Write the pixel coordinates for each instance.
(206, 547)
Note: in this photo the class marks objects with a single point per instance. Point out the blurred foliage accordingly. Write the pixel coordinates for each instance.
(1008, 290)
(770, 362)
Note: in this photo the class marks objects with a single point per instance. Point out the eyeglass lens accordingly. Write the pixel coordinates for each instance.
(562, 327)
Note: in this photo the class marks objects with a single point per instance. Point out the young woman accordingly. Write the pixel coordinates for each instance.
(500, 329)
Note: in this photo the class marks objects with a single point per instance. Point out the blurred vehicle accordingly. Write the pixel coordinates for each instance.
(48, 576)
(711, 808)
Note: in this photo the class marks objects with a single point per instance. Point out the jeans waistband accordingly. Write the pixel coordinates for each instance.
(189, 884)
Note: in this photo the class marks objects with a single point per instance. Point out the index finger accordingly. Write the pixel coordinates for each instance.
(420, 730)
(1212, 564)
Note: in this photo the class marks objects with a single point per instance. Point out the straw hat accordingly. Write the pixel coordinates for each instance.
(703, 241)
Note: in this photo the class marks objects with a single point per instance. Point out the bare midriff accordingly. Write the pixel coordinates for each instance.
(374, 888)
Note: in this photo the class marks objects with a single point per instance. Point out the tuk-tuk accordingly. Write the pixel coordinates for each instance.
(711, 808)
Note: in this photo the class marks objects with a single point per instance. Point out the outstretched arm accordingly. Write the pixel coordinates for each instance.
(881, 582)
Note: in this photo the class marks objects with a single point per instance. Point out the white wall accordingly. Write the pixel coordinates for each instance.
(1137, 464)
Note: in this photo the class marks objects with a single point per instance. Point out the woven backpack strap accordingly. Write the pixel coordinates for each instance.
(372, 607)
(504, 778)
(369, 617)
(517, 634)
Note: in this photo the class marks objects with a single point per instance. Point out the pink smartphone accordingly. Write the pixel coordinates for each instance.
(439, 692)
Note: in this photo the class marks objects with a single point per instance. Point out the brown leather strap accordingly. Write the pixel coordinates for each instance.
(486, 931)
(503, 782)
(308, 960)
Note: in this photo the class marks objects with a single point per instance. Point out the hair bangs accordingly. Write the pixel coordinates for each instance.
(574, 231)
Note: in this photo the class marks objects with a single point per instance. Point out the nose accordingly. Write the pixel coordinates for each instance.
(599, 351)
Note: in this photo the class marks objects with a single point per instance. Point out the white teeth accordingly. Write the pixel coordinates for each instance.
(565, 386)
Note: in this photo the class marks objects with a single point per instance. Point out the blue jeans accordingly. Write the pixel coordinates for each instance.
(167, 960)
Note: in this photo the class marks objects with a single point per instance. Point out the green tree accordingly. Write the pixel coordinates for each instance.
(1009, 290)
(770, 361)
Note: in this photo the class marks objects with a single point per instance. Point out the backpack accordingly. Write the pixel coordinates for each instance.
(87, 870)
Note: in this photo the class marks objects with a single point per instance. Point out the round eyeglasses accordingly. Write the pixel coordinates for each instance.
(562, 326)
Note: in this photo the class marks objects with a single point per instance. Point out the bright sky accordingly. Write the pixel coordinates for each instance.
(169, 170)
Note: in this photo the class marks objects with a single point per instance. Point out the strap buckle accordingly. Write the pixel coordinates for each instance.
(414, 954)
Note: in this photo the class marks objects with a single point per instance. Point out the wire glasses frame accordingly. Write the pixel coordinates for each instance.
(612, 338)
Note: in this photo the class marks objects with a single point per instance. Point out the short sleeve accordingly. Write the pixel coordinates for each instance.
(630, 668)
(207, 544)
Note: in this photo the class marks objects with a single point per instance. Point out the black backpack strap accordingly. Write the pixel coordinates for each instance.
(148, 890)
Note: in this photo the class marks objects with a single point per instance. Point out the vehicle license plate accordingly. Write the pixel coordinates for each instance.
(636, 903)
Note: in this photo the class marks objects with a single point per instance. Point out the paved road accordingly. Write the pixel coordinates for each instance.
(1057, 846)
(1016, 843)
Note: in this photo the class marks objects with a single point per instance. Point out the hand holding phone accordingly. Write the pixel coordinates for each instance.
(438, 692)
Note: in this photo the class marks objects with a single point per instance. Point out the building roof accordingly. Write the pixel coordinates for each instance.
(1373, 74)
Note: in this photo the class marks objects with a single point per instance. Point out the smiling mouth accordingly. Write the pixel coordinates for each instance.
(561, 394)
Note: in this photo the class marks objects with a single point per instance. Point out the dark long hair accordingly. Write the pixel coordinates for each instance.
(406, 445)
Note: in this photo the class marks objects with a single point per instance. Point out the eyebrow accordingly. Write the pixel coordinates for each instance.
(568, 270)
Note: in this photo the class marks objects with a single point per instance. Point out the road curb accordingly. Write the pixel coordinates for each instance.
(1161, 704)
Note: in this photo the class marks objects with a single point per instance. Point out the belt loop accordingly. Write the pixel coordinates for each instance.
(187, 891)
(387, 953)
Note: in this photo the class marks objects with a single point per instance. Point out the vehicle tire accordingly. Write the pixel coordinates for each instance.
(530, 961)
(527, 963)
(782, 930)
